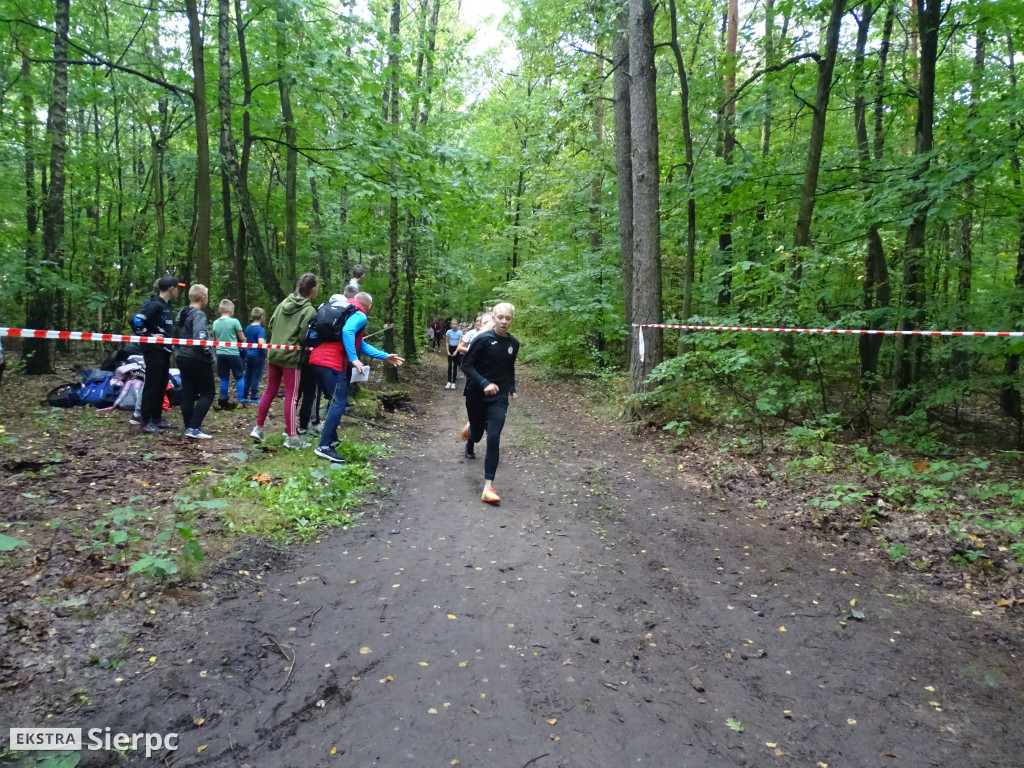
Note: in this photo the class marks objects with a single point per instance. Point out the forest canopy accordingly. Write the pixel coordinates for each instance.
(781, 163)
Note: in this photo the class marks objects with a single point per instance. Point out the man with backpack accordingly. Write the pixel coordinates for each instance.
(154, 319)
(196, 362)
(339, 332)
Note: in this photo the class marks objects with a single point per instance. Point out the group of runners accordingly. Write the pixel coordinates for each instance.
(486, 354)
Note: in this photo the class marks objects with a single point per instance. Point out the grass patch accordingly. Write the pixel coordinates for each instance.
(292, 495)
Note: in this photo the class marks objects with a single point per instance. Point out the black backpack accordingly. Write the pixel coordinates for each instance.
(181, 328)
(328, 323)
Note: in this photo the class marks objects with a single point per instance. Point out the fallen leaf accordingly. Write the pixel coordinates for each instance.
(782, 629)
(452, 616)
(431, 711)
(334, 750)
(200, 749)
(424, 664)
(365, 650)
(771, 744)
(552, 721)
(199, 720)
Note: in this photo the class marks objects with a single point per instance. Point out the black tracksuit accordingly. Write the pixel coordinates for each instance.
(491, 359)
(154, 319)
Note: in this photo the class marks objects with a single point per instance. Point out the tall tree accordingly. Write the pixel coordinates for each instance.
(691, 199)
(624, 164)
(204, 207)
(876, 270)
(229, 153)
(391, 300)
(909, 348)
(39, 309)
(284, 87)
(646, 189)
(728, 118)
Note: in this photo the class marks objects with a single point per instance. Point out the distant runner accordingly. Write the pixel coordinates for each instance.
(490, 381)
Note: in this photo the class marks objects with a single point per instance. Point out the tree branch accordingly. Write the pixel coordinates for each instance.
(762, 72)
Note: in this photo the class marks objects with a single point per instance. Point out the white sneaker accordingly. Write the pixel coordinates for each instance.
(296, 443)
(256, 434)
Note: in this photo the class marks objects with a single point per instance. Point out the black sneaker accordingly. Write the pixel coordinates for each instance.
(470, 453)
(330, 454)
(164, 424)
(153, 428)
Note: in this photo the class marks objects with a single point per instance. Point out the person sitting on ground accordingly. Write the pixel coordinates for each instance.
(453, 335)
(288, 327)
(490, 382)
(196, 363)
(255, 359)
(229, 359)
(331, 359)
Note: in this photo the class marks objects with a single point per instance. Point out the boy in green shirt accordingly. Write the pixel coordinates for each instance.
(229, 359)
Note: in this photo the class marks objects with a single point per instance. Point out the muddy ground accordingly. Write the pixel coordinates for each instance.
(611, 611)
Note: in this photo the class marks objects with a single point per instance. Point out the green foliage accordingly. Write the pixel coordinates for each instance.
(287, 500)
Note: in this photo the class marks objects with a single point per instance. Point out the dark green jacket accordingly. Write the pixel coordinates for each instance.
(288, 326)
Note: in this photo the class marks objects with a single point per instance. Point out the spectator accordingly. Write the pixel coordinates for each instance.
(154, 319)
(287, 327)
(229, 359)
(255, 359)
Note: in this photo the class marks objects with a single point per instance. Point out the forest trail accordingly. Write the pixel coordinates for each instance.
(610, 612)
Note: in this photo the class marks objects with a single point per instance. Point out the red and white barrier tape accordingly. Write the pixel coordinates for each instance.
(868, 331)
(848, 331)
(30, 333)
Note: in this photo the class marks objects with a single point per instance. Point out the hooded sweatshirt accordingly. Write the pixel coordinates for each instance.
(288, 326)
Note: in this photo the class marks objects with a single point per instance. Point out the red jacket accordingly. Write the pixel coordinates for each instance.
(331, 354)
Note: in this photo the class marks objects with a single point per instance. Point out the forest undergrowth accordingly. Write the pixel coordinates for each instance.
(937, 493)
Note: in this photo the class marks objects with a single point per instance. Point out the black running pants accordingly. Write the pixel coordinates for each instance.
(487, 416)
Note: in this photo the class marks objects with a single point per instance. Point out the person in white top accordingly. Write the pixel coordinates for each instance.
(484, 322)
(358, 273)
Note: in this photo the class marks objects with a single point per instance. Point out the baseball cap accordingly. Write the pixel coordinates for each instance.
(167, 282)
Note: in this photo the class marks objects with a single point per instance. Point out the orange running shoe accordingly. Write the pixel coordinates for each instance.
(465, 432)
(490, 496)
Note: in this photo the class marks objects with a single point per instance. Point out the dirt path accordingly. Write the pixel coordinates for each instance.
(610, 612)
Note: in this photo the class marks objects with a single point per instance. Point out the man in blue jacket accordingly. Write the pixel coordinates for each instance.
(330, 361)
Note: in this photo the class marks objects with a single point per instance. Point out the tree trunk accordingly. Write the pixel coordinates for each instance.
(391, 302)
(816, 141)
(909, 351)
(624, 170)
(39, 309)
(204, 272)
(242, 241)
(291, 216)
(728, 146)
(28, 117)
(264, 265)
(691, 202)
(876, 270)
(646, 190)
(1010, 400)
(965, 227)
(323, 267)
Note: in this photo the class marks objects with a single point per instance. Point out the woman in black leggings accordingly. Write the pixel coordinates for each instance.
(453, 337)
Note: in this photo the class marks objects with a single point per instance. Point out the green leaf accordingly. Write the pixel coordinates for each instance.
(734, 725)
(192, 552)
(7, 543)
